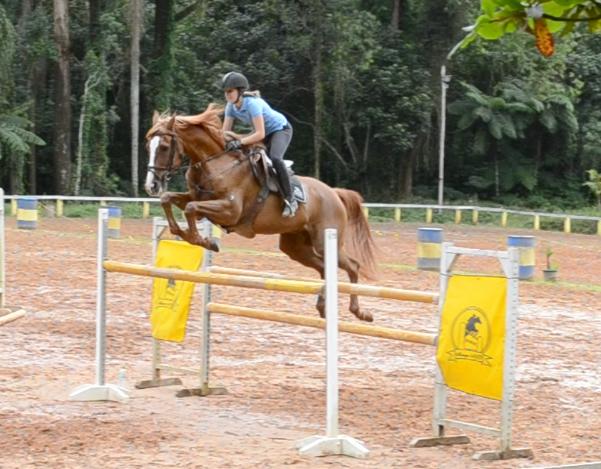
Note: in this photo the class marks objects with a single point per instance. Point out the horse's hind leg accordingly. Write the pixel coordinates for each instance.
(351, 266)
(309, 252)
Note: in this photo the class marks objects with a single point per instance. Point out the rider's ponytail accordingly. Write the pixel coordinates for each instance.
(252, 94)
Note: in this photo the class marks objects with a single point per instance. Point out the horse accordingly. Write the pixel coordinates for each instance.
(222, 188)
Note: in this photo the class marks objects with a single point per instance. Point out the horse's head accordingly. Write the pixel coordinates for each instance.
(164, 153)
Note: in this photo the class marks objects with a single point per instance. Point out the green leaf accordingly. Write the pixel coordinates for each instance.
(594, 26)
(491, 31)
(488, 6)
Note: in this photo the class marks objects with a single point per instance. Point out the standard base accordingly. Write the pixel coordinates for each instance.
(507, 454)
(155, 383)
(97, 392)
(327, 446)
(439, 440)
(204, 391)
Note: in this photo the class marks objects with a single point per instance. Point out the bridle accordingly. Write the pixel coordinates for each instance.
(169, 170)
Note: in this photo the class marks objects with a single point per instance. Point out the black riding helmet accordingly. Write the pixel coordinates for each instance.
(234, 80)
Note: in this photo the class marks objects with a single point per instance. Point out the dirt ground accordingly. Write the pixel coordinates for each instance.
(275, 374)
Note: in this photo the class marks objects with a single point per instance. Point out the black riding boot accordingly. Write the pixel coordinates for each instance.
(290, 204)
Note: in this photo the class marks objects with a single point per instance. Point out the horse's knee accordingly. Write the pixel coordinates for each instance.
(190, 209)
(166, 198)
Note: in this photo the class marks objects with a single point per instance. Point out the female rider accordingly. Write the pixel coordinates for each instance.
(268, 125)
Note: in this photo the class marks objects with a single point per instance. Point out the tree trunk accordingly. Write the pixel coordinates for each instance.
(163, 24)
(62, 114)
(136, 28)
(406, 166)
(94, 20)
(26, 8)
(318, 111)
(496, 162)
(395, 20)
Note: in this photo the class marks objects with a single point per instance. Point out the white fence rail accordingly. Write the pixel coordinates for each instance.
(459, 211)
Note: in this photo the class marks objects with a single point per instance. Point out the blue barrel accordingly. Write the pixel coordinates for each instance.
(525, 245)
(114, 224)
(429, 246)
(27, 213)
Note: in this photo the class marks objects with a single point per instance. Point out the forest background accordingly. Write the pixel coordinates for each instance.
(360, 81)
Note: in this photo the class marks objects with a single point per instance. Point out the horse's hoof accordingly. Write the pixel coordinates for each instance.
(213, 244)
(362, 316)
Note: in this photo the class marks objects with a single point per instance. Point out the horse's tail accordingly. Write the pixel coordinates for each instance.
(358, 240)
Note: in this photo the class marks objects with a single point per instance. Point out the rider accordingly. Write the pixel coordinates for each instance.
(268, 124)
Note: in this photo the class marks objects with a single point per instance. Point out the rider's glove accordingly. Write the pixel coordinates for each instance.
(233, 145)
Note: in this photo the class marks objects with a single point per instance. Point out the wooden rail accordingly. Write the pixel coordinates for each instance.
(293, 286)
(319, 323)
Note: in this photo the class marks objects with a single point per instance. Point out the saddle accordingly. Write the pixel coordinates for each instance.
(265, 173)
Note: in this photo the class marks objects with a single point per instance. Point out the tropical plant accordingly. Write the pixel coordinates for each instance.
(594, 184)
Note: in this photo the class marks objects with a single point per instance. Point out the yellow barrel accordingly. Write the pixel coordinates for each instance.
(429, 241)
(27, 213)
(525, 245)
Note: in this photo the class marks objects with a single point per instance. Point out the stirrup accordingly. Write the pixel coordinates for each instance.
(290, 208)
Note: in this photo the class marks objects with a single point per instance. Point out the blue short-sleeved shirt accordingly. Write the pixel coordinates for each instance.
(254, 106)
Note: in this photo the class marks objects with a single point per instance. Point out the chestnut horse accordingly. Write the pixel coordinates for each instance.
(223, 189)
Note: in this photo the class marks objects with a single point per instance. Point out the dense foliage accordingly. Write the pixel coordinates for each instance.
(359, 80)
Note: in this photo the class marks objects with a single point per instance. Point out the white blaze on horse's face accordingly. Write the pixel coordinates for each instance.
(153, 185)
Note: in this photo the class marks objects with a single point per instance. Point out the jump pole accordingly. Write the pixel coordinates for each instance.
(273, 284)
(100, 390)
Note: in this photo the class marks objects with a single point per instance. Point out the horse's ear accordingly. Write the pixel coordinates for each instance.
(171, 122)
(155, 117)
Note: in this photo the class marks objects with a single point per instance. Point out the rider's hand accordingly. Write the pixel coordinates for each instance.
(233, 145)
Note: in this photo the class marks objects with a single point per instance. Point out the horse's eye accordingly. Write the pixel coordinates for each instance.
(164, 146)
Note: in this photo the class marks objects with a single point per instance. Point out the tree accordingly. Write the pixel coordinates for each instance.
(492, 118)
(136, 26)
(62, 115)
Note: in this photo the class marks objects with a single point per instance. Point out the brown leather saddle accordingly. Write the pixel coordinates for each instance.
(265, 174)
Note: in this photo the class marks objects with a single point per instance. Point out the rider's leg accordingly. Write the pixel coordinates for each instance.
(278, 143)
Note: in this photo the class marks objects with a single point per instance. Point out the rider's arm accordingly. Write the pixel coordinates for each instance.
(228, 123)
(258, 134)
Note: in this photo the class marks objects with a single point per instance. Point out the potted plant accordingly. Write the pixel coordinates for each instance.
(550, 273)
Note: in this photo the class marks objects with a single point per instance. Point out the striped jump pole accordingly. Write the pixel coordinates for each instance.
(273, 284)
(11, 316)
(319, 323)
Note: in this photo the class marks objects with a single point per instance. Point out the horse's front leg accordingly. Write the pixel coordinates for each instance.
(180, 200)
(220, 211)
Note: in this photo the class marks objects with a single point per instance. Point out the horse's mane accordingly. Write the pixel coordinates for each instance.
(209, 119)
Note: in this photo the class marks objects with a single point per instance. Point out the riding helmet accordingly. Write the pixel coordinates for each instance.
(234, 80)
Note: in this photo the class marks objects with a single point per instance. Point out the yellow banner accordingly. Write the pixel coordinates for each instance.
(171, 298)
(472, 335)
